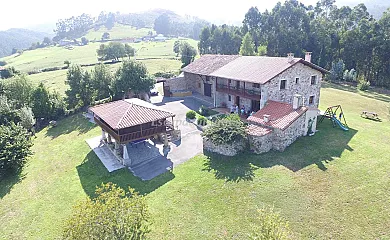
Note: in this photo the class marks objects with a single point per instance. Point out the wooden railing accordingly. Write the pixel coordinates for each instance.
(239, 91)
(144, 133)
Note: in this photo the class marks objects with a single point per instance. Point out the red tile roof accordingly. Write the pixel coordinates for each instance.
(281, 115)
(209, 63)
(256, 69)
(130, 112)
(256, 130)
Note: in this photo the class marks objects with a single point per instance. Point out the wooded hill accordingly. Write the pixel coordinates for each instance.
(18, 38)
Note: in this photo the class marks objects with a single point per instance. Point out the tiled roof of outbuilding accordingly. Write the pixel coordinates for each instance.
(281, 115)
(256, 130)
(129, 112)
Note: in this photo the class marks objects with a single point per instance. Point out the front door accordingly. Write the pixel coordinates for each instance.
(238, 101)
(207, 89)
(255, 105)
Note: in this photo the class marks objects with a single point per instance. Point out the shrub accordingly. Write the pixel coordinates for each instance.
(226, 130)
(201, 121)
(270, 226)
(3, 63)
(204, 111)
(191, 114)
(113, 214)
(15, 148)
(363, 84)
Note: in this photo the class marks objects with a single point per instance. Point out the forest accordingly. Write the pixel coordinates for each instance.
(340, 38)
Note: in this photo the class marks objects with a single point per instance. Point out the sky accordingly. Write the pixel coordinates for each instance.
(34, 12)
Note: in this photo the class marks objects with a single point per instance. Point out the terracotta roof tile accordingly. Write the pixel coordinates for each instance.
(256, 69)
(207, 64)
(256, 130)
(281, 115)
(130, 112)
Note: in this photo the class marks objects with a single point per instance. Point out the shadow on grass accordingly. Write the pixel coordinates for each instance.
(325, 146)
(92, 173)
(73, 123)
(373, 93)
(7, 183)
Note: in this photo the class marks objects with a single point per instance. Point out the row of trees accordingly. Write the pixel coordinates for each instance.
(331, 33)
(86, 87)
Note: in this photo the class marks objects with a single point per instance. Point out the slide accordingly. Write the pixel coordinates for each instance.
(339, 124)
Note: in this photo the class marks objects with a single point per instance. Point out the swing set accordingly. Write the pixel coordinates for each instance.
(334, 112)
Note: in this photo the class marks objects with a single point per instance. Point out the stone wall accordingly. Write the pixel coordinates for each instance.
(195, 83)
(177, 84)
(260, 144)
(282, 139)
(231, 149)
(272, 89)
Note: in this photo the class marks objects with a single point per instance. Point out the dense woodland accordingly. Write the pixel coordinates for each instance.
(337, 36)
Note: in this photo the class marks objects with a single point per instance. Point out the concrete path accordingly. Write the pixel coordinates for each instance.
(109, 160)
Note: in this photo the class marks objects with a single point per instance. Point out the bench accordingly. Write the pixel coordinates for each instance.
(372, 115)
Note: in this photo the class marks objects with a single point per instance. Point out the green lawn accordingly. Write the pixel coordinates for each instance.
(334, 185)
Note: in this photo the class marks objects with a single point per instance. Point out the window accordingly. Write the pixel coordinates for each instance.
(207, 78)
(311, 100)
(283, 84)
(297, 80)
(198, 84)
(256, 85)
(313, 80)
(229, 98)
(230, 81)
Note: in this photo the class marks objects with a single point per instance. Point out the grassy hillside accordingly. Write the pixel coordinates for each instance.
(55, 56)
(333, 185)
(119, 31)
(18, 38)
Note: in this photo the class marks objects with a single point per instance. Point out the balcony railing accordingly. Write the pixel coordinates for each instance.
(239, 91)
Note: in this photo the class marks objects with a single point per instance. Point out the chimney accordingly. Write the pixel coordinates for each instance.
(290, 57)
(308, 56)
(297, 101)
(266, 118)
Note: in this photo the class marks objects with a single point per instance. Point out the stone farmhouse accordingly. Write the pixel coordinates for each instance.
(283, 93)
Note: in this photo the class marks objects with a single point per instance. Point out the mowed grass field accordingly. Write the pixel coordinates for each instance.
(334, 185)
(119, 31)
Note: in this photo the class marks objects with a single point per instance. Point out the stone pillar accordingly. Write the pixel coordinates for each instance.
(104, 135)
(165, 139)
(116, 148)
(126, 158)
(215, 92)
(109, 139)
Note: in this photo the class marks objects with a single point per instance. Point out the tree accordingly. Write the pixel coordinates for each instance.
(74, 77)
(226, 130)
(106, 36)
(262, 50)
(84, 41)
(101, 81)
(27, 119)
(19, 90)
(133, 77)
(41, 106)
(87, 92)
(67, 63)
(112, 214)
(9, 72)
(337, 71)
(129, 51)
(46, 41)
(162, 24)
(114, 51)
(15, 148)
(7, 112)
(176, 47)
(188, 53)
(247, 46)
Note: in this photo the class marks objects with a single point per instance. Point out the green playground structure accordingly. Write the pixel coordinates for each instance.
(332, 113)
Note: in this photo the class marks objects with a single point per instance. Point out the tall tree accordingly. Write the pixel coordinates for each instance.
(101, 81)
(247, 46)
(188, 53)
(74, 77)
(162, 24)
(19, 90)
(132, 77)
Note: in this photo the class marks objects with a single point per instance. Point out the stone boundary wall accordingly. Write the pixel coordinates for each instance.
(231, 149)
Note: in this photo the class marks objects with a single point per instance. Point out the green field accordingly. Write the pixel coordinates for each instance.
(55, 56)
(119, 31)
(334, 185)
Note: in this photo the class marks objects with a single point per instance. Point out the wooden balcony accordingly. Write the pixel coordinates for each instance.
(241, 91)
